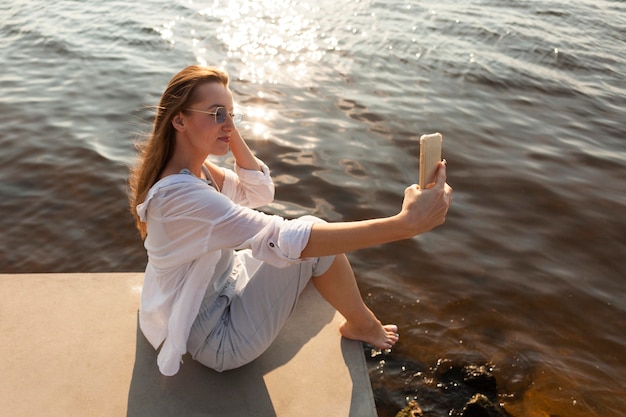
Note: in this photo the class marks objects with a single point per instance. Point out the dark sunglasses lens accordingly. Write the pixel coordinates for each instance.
(220, 115)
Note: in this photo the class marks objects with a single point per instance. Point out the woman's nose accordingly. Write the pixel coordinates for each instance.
(229, 123)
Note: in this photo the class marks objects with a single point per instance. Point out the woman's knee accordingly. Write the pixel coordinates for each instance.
(323, 264)
(340, 265)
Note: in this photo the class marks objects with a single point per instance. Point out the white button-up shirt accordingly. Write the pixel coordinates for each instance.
(189, 224)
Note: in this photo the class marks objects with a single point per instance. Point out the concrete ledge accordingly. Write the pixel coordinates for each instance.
(70, 346)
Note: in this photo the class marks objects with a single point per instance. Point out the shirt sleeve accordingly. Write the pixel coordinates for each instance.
(194, 220)
(249, 188)
(271, 238)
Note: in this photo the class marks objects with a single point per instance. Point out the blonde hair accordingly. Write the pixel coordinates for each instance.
(156, 151)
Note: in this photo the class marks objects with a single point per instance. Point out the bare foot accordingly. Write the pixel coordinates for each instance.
(376, 334)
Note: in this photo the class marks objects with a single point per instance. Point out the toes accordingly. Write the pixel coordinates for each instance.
(392, 331)
(391, 328)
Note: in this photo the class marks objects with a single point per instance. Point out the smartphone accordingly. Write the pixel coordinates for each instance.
(430, 156)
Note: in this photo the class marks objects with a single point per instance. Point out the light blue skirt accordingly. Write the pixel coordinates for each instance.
(236, 324)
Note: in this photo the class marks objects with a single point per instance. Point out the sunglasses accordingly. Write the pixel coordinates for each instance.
(220, 114)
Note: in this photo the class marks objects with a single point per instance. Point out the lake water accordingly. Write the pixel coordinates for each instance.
(527, 276)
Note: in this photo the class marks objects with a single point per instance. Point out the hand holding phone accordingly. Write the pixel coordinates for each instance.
(430, 156)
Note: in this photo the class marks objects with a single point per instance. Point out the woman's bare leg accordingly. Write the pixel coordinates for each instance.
(338, 286)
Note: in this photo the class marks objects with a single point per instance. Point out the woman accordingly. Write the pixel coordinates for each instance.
(222, 278)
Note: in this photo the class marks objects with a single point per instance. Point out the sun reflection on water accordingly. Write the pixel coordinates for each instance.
(258, 117)
(262, 42)
(273, 39)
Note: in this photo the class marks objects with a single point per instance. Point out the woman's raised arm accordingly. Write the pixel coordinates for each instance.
(422, 210)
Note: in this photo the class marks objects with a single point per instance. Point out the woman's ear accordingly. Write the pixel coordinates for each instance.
(178, 122)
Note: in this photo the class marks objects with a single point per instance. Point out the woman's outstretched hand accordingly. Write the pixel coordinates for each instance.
(425, 209)
(422, 210)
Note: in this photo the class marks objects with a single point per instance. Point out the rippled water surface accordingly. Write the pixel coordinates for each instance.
(527, 275)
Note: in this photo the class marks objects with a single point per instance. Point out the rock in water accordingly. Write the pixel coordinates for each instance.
(480, 406)
(411, 410)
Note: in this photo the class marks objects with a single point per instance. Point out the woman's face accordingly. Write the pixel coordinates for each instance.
(203, 132)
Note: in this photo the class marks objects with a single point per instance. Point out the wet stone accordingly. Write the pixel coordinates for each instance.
(480, 406)
(462, 389)
(411, 410)
(470, 377)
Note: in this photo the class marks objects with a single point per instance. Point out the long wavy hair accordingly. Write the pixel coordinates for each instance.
(156, 151)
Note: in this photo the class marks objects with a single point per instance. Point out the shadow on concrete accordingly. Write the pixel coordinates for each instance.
(195, 390)
(198, 391)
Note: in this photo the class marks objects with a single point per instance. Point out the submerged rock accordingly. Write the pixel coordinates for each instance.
(476, 378)
(480, 406)
(458, 388)
(411, 410)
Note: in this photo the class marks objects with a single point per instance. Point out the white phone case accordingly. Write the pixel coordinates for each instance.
(430, 156)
